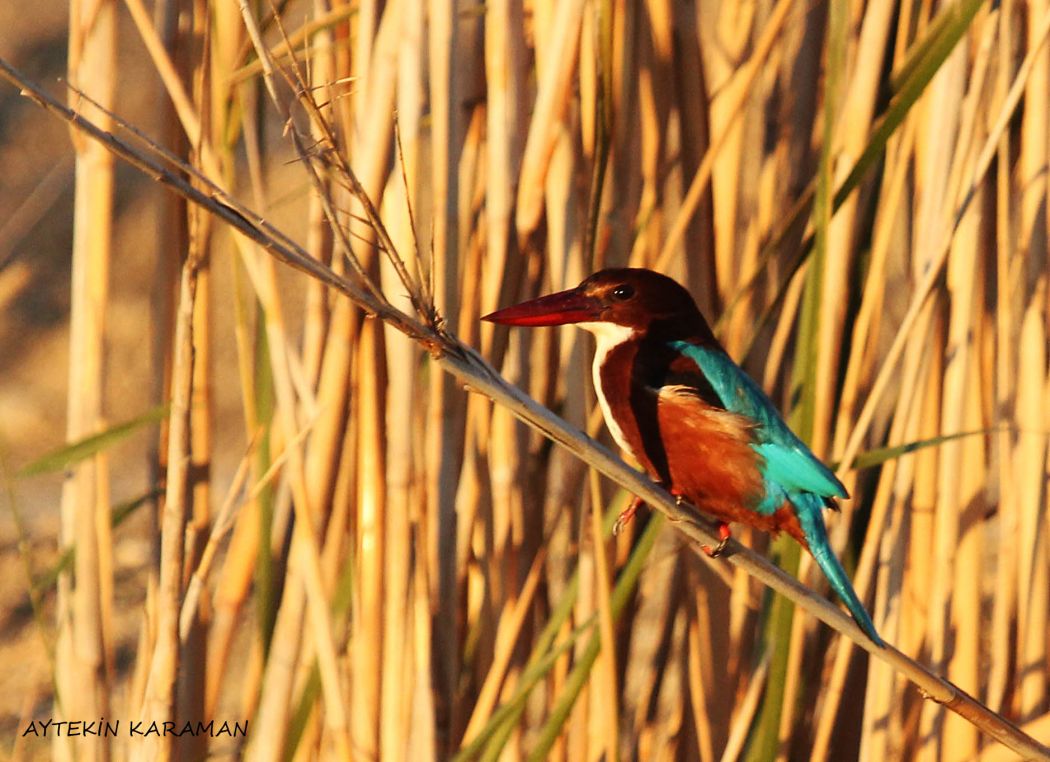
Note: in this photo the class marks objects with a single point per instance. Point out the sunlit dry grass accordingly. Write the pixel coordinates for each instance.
(401, 570)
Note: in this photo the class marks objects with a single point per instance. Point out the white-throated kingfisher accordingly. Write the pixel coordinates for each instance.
(699, 425)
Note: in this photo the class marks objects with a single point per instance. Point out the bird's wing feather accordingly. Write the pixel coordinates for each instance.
(790, 471)
(789, 464)
(708, 453)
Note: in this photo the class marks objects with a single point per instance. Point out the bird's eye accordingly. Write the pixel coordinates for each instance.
(623, 293)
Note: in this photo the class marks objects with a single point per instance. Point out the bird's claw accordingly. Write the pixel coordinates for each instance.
(723, 534)
(625, 516)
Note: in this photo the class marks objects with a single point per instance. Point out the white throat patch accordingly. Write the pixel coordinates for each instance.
(608, 336)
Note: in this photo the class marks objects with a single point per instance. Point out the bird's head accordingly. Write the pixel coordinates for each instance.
(632, 298)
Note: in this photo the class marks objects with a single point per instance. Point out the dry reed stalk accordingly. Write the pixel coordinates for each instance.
(961, 461)
(593, 116)
(508, 632)
(82, 650)
(764, 217)
(373, 97)
(762, 185)
(586, 715)
(505, 77)
(726, 41)
(734, 98)
(787, 320)
(224, 522)
(402, 389)
(234, 585)
(654, 84)
(851, 126)
(238, 567)
(281, 659)
(509, 511)
(607, 717)
(863, 345)
(481, 569)
(181, 100)
(666, 730)
(877, 728)
(793, 684)
(883, 712)
(940, 547)
(1033, 235)
(146, 639)
(745, 713)
(557, 372)
(948, 738)
(305, 551)
(1031, 551)
(701, 672)
(444, 432)
(316, 311)
(191, 681)
(171, 243)
(657, 606)
(285, 635)
(489, 501)
(872, 548)
(619, 59)
(318, 28)
(915, 480)
(159, 700)
(1006, 323)
(423, 743)
(926, 368)
(322, 74)
(930, 271)
(690, 101)
(367, 655)
(555, 65)
(1034, 150)
(647, 223)
(565, 266)
(821, 318)
(332, 392)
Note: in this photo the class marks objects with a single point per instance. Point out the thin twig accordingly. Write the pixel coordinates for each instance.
(333, 157)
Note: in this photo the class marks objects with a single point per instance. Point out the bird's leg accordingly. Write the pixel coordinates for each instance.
(724, 532)
(626, 515)
(723, 536)
(679, 500)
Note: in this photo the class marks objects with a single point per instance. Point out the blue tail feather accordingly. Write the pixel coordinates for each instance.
(813, 527)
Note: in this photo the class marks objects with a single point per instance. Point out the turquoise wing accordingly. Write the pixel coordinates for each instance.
(789, 466)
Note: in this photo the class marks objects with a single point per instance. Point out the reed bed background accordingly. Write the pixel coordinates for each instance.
(363, 559)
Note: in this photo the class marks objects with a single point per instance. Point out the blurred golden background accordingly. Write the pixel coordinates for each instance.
(856, 194)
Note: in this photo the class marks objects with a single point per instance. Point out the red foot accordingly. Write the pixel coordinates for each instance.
(723, 535)
(625, 517)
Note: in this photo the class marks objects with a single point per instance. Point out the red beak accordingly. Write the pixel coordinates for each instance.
(565, 307)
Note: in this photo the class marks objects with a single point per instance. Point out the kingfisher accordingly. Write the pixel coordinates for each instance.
(674, 400)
